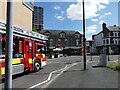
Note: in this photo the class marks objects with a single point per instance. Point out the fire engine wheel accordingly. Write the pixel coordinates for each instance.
(37, 66)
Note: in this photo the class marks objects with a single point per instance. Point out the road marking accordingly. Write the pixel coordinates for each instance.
(48, 79)
(53, 79)
(50, 75)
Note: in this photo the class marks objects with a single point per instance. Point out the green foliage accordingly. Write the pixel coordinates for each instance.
(114, 66)
(34, 29)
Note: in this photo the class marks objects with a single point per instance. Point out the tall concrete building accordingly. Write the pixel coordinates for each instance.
(37, 22)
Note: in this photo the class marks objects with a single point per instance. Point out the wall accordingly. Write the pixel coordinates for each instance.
(22, 15)
(98, 40)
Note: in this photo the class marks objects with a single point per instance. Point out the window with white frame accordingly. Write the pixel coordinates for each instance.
(115, 34)
(115, 41)
(77, 35)
(59, 40)
(77, 42)
(51, 42)
(47, 33)
(66, 40)
(62, 35)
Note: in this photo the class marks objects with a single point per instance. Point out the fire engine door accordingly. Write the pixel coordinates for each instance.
(28, 49)
(26, 53)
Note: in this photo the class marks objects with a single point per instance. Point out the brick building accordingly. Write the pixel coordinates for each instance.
(69, 40)
(109, 37)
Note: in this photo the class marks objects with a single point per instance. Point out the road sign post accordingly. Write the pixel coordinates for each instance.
(9, 46)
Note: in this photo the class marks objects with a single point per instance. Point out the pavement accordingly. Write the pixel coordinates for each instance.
(96, 78)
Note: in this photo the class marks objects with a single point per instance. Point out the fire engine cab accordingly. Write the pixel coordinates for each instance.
(29, 50)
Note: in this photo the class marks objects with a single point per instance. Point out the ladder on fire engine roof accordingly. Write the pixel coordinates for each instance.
(17, 31)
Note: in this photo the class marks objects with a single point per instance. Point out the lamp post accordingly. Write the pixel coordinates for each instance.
(84, 40)
(9, 46)
(108, 54)
(91, 49)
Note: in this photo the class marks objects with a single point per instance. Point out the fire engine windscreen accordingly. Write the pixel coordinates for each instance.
(41, 49)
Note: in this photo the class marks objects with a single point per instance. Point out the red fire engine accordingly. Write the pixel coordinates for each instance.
(29, 50)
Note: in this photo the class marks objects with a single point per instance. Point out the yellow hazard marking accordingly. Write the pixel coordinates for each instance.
(43, 55)
(41, 59)
(36, 54)
(30, 61)
(24, 55)
(16, 61)
(2, 70)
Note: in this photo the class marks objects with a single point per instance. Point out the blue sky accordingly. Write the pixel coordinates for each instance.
(68, 15)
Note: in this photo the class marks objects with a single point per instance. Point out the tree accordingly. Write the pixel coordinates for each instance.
(34, 28)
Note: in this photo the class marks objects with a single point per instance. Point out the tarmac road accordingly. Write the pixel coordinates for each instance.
(54, 71)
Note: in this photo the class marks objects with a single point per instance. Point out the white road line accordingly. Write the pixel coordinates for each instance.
(48, 79)
(50, 75)
(53, 79)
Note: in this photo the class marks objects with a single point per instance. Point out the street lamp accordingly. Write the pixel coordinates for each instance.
(84, 40)
(108, 55)
(9, 46)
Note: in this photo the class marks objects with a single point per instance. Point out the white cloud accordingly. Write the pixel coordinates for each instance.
(101, 17)
(59, 17)
(62, 12)
(91, 29)
(75, 11)
(100, 7)
(94, 20)
(89, 38)
(57, 7)
(102, 21)
(108, 13)
(105, 14)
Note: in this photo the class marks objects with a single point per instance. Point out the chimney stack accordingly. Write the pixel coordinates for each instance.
(104, 26)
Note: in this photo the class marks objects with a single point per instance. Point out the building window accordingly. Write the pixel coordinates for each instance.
(47, 33)
(77, 42)
(77, 35)
(62, 35)
(111, 33)
(107, 41)
(115, 41)
(115, 34)
(87, 43)
(103, 41)
(51, 42)
(59, 40)
(66, 40)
